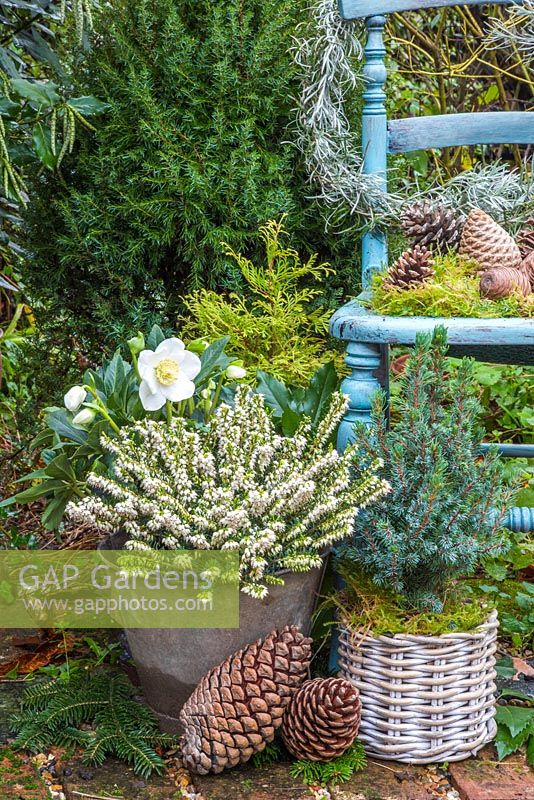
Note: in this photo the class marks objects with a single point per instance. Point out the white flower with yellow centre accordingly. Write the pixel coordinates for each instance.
(167, 373)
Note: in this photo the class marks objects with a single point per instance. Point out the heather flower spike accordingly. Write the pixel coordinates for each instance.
(235, 485)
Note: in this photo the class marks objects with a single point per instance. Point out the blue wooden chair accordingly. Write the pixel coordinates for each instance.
(369, 335)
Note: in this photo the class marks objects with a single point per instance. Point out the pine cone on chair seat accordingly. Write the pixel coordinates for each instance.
(412, 268)
(237, 707)
(432, 225)
(322, 719)
(488, 243)
(525, 238)
(497, 283)
(527, 266)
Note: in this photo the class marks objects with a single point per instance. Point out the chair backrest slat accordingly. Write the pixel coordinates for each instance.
(355, 9)
(452, 130)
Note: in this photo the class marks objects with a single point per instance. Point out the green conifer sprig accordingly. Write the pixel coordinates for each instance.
(53, 712)
(282, 328)
(273, 752)
(338, 770)
(439, 519)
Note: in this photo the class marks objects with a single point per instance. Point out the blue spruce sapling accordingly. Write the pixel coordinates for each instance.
(446, 505)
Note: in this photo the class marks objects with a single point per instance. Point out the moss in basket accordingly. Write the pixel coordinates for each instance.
(444, 512)
(365, 606)
(453, 291)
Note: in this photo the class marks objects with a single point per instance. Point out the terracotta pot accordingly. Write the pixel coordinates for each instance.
(170, 662)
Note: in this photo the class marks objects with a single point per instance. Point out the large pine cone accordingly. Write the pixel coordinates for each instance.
(527, 266)
(432, 225)
(237, 707)
(525, 238)
(496, 283)
(487, 243)
(412, 268)
(322, 719)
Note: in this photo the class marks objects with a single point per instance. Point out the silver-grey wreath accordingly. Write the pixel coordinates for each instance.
(329, 53)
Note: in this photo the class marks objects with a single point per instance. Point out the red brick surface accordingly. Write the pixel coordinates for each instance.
(484, 778)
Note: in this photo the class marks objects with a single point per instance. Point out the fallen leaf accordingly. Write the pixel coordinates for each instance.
(522, 668)
(33, 640)
(43, 655)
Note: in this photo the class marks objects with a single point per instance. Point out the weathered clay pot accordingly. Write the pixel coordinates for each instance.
(170, 662)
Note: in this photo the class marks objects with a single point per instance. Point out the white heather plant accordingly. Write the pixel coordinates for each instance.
(234, 485)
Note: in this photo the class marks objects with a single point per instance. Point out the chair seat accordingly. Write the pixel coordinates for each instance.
(508, 340)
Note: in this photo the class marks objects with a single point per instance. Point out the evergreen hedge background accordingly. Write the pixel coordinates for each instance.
(194, 151)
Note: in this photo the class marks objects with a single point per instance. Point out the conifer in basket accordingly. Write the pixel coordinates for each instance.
(421, 655)
(447, 502)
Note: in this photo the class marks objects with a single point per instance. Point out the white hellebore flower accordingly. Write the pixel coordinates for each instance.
(84, 417)
(167, 374)
(74, 398)
(235, 372)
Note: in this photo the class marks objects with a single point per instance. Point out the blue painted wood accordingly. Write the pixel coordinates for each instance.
(356, 9)
(512, 450)
(353, 322)
(374, 138)
(520, 519)
(363, 360)
(452, 130)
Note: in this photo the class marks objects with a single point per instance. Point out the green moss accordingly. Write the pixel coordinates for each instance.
(14, 772)
(452, 292)
(364, 605)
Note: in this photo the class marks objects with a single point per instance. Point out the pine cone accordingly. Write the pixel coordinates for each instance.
(496, 283)
(237, 707)
(432, 225)
(322, 719)
(527, 266)
(525, 238)
(411, 268)
(487, 243)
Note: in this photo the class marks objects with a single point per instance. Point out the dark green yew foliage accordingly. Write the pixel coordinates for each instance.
(194, 151)
(446, 504)
(95, 711)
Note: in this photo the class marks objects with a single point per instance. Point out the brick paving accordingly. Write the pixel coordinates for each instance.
(485, 778)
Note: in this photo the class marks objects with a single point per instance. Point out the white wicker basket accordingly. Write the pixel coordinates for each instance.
(424, 698)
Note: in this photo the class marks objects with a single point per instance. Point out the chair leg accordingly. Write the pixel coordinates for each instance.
(366, 362)
(369, 372)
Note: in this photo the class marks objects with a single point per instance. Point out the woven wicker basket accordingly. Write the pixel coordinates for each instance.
(424, 698)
